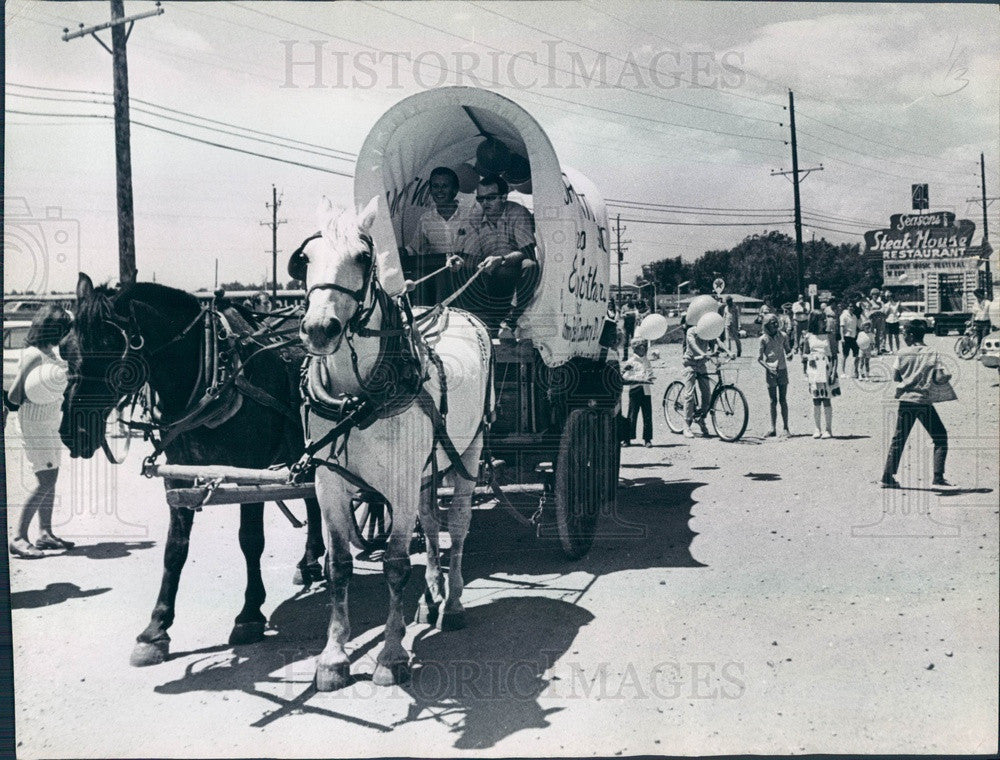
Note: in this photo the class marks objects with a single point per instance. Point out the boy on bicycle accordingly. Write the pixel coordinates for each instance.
(696, 352)
(775, 351)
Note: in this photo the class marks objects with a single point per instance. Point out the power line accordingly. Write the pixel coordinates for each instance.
(869, 155)
(735, 215)
(445, 69)
(622, 60)
(565, 71)
(767, 223)
(697, 208)
(348, 154)
(884, 144)
(186, 137)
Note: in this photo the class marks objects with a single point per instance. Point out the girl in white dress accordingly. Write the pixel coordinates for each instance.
(38, 391)
(821, 371)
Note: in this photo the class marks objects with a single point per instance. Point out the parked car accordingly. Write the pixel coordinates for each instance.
(21, 309)
(14, 333)
(989, 350)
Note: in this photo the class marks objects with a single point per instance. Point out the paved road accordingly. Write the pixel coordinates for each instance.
(763, 596)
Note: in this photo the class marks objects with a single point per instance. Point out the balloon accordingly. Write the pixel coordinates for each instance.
(468, 177)
(492, 156)
(864, 341)
(653, 327)
(700, 305)
(710, 326)
(518, 170)
(45, 384)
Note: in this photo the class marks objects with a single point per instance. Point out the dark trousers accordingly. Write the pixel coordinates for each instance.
(908, 414)
(489, 296)
(638, 400)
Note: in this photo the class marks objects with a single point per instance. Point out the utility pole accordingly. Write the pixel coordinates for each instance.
(273, 205)
(123, 149)
(795, 172)
(987, 250)
(621, 248)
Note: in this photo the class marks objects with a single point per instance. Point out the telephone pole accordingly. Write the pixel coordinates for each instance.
(795, 172)
(619, 246)
(987, 250)
(123, 149)
(273, 205)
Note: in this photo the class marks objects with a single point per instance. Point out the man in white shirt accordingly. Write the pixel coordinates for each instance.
(443, 232)
(800, 316)
(981, 314)
(849, 326)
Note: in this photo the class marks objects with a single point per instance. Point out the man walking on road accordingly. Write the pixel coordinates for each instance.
(921, 382)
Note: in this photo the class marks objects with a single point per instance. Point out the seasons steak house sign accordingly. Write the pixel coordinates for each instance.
(915, 243)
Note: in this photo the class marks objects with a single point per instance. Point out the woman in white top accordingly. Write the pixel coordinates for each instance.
(38, 392)
(891, 308)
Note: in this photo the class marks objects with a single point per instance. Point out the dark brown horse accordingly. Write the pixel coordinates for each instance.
(149, 333)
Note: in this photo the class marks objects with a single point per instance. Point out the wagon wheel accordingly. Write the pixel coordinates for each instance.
(371, 518)
(584, 473)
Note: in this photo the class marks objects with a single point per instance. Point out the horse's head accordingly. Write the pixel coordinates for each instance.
(338, 275)
(107, 351)
(96, 342)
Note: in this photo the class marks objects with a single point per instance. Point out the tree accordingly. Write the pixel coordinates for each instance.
(764, 266)
(666, 274)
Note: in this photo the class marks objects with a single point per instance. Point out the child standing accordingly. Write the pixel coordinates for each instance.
(821, 371)
(638, 373)
(865, 347)
(921, 382)
(774, 353)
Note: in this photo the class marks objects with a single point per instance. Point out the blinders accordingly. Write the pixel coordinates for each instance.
(298, 265)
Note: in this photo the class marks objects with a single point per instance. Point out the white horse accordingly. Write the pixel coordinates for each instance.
(392, 455)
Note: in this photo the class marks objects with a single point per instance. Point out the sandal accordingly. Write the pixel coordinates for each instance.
(53, 542)
(24, 549)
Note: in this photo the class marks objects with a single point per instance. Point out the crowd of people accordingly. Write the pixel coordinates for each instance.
(823, 337)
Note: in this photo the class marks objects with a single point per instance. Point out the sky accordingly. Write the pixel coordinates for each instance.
(676, 110)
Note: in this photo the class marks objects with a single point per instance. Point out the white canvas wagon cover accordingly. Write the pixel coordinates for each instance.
(445, 127)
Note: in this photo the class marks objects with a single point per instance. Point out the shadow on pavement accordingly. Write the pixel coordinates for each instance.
(107, 549)
(486, 681)
(763, 476)
(486, 687)
(54, 593)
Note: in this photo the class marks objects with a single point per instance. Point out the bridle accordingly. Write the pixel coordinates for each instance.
(368, 293)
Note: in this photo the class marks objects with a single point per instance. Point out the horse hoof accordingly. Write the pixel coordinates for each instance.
(453, 621)
(246, 633)
(426, 614)
(333, 677)
(313, 574)
(145, 654)
(391, 675)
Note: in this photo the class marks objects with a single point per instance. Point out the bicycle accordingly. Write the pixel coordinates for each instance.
(967, 345)
(726, 404)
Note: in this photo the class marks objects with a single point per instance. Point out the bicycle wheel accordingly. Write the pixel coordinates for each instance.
(673, 407)
(966, 347)
(730, 413)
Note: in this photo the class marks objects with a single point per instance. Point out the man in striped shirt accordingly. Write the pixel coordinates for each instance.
(505, 234)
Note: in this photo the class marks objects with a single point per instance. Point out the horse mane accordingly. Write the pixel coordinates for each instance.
(345, 231)
(108, 304)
